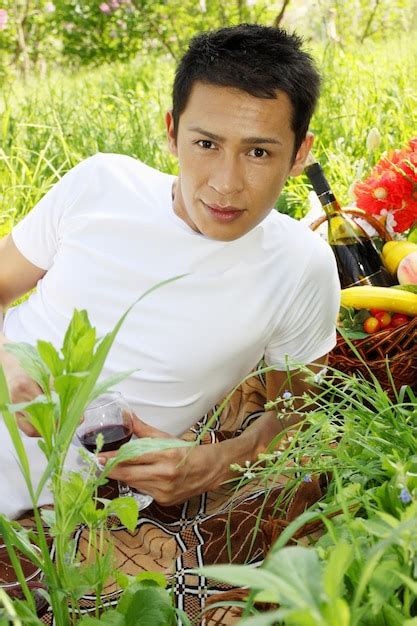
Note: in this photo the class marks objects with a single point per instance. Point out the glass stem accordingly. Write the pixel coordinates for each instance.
(124, 490)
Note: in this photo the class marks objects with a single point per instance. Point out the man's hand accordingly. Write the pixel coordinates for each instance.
(173, 476)
(21, 388)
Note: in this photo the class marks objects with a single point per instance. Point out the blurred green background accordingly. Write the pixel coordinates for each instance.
(81, 77)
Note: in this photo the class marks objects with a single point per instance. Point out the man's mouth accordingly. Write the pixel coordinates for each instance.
(223, 214)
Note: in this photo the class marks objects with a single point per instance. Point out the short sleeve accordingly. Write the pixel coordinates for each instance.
(307, 330)
(37, 235)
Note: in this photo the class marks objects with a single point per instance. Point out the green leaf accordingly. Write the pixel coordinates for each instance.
(40, 412)
(241, 576)
(353, 334)
(341, 556)
(67, 386)
(122, 579)
(79, 580)
(299, 571)
(111, 617)
(109, 382)
(409, 582)
(126, 510)
(79, 327)
(411, 288)
(148, 607)
(137, 447)
(29, 359)
(11, 425)
(361, 316)
(50, 357)
(392, 616)
(49, 517)
(306, 617)
(337, 613)
(81, 354)
(384, 582)
(155, 577)
(266, 619)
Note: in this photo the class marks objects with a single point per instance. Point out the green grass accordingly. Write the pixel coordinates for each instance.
(46, 127)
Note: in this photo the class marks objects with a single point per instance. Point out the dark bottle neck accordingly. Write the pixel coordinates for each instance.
(322, 188)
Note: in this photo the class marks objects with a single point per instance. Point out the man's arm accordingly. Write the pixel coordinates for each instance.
(175, 475)
(264, 429)
(17, 277)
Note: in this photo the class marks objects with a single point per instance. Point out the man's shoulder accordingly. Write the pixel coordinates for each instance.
(117, 175)
(293, 239)
(291, 232)
(114, 164)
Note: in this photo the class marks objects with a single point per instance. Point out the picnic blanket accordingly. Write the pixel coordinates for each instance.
(221, 526)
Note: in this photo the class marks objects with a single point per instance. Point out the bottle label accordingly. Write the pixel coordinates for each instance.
(380, 278)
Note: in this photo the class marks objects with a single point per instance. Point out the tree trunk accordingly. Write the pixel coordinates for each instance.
(280, 16)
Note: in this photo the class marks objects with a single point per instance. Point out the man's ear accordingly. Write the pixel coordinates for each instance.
(172, 139)
(302, 154)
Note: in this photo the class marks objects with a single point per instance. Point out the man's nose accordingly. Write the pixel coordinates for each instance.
(226, 177)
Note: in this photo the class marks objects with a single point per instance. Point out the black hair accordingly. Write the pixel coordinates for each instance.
(260, 60)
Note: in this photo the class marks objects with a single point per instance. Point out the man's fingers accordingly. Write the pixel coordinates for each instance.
(141, 429)
(25, 426)
(147, 458)
(24, 389)
(147, 474)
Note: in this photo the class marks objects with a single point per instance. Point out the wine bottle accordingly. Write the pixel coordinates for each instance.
(357, 257)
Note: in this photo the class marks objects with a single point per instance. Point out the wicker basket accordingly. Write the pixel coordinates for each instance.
(394, 348)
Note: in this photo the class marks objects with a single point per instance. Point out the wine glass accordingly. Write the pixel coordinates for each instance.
(109, 414)
(10, 583)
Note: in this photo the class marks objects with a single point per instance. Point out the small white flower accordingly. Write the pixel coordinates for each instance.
(373, 140)
(247, 463)
(265, 457)
(318, 378)
(249, 475)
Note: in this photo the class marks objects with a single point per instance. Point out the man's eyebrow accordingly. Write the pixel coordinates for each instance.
(246, 140)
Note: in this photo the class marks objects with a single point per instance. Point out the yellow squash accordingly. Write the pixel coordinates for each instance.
(383, 298)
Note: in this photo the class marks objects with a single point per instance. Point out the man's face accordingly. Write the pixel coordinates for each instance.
(235, 153)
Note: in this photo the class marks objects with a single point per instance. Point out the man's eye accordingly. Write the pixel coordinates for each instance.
(259, 153)
(206, 144)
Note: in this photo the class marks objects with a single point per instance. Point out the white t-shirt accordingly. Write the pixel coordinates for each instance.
(107, 232)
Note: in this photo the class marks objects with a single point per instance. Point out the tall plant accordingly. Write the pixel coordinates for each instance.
(362, 571)
(69, 380)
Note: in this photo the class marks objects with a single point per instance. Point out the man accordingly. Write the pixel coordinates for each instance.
(259, 284)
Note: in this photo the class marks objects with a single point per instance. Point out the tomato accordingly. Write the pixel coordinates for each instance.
(399, 319)
(384, 318)
(371, 325)
(375, 311)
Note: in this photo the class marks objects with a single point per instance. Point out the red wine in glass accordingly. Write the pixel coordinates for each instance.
(114, 436)
(110, 416)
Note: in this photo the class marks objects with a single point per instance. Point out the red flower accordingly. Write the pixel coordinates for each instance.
(392, 186)
(413, 144)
